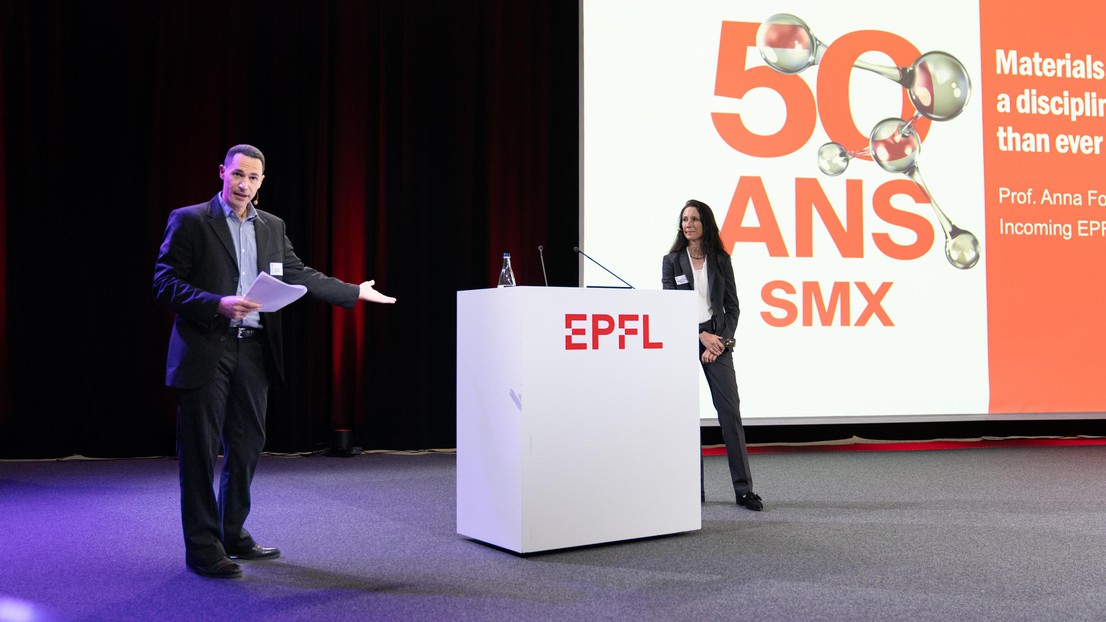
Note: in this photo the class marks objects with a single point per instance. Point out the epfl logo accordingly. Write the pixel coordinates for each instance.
(586, 331)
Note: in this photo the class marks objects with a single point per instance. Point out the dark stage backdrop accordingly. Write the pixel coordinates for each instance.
(408, 141)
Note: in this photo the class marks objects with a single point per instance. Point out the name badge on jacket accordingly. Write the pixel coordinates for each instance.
(276, 268)
(681, 279)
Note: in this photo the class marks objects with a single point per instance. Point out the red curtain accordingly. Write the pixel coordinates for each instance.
(411, 143)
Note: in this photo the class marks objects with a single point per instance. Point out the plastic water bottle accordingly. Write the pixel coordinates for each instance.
(506, 274)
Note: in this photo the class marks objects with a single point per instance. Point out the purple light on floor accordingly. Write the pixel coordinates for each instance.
(16, 610)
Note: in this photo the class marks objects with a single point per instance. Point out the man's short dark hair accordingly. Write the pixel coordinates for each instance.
(247, 150)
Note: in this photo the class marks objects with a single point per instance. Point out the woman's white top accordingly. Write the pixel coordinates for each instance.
(702, 288)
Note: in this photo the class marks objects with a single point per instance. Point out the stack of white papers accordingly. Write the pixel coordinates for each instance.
(273, 294)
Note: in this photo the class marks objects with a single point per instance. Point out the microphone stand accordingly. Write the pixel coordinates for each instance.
(542, 257)
(577, 249)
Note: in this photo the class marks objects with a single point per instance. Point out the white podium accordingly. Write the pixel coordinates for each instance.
(577, 416)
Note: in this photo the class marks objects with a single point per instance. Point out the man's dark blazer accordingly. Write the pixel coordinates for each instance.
(196, 267)
(723, 291)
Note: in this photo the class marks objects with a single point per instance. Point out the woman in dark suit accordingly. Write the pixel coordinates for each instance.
(698, 261)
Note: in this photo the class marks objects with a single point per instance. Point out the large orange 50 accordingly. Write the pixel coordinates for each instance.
(733, 79)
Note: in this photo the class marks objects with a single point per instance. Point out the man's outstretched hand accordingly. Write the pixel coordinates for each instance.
(368, 294)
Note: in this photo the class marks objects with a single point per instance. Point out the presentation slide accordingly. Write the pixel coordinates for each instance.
(913, 199)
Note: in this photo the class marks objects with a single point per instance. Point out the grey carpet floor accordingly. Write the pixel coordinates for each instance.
(1010, 533)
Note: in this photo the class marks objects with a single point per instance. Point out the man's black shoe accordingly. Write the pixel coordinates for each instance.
(751, 501)
(255, 552)
(222, 568)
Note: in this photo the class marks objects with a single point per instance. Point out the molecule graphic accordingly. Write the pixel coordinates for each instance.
(938, 86)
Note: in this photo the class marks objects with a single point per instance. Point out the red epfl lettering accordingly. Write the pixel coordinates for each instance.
(601, 324)
(591, 332)
(570, 319)
(623, 320)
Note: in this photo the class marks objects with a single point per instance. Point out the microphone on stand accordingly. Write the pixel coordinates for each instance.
(542, 257)
(577, 249)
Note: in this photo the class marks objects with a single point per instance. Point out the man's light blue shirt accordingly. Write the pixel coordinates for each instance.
(245, 251)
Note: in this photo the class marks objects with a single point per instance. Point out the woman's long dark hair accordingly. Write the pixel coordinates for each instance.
(712, 237)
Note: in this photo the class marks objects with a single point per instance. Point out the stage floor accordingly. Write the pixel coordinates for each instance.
(1000, 533)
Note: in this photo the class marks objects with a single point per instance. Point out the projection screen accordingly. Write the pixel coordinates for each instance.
(912, 197)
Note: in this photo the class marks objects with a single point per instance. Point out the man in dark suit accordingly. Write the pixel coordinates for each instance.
(225, 350)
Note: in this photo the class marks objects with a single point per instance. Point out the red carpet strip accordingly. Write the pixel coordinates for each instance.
(857, 444)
